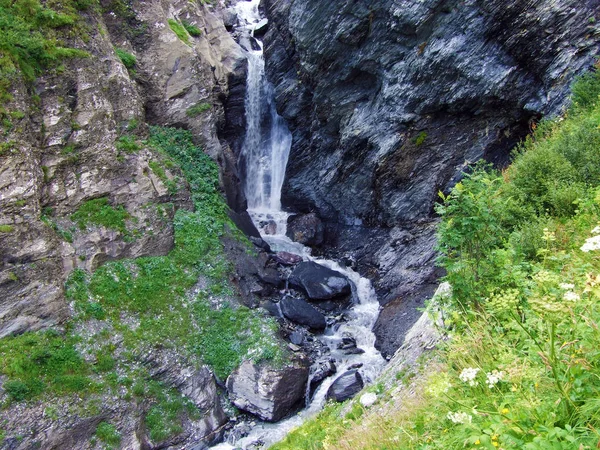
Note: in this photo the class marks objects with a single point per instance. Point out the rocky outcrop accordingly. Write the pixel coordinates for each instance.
(84, 142)
(319, 282)
(270, 393)
(389, 102)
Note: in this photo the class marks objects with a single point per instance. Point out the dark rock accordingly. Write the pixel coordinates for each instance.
(354, 351)
(272, 308)
(270, 393)
(320, 371)
(355, 366)
(243, 221)
(301, 312)
(260, 243)
(261, 27)
(346, 386)
(287, 259)
(296, 338)
(319, 282)
(270, 276)
(306, 229)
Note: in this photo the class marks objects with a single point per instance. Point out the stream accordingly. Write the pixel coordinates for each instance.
(263, 161)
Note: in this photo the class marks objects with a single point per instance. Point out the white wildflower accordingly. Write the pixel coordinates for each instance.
(468, 375)
(459, 417)
(566, 286)
(494, 377)
(571, 296)
(596, 230)
(592, 243)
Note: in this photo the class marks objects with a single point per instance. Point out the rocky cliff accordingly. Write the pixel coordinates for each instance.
(79, 187)
(390, 101)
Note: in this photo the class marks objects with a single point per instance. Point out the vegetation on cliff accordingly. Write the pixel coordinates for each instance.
(521, 249)
(182, 302)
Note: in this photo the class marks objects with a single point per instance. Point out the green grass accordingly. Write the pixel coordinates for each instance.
(28, 41)
(6, 228)
(521, 249)
(100, 212)
(127, 144)
(180, 31)
(196, 110)
(108, 434)
(128, 60)
(43, 362)
(193, 30)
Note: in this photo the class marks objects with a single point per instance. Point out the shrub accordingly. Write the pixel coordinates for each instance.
(127, 144)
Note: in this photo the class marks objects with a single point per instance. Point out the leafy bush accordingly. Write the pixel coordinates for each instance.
(196, 110)
(127, 144)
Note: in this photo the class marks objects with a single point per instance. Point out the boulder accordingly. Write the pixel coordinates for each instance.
(261, 27)
(306, 229)
(301, 312)
(286, 258)
(345, 386)
(269, 393)
(320, 371)
(319, 282)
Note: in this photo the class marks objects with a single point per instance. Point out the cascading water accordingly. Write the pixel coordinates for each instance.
(263, 160)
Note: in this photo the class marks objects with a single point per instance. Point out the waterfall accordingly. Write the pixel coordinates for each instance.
(267, 142)
(263, 160)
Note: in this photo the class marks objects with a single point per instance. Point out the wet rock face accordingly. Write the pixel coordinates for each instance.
(319, 282)
(306, 229)
(267, 392)
(389, 100)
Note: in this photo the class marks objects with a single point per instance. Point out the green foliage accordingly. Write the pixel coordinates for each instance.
(228, 335)
(586, 89)
(27, 40)
(6, 228)
(127, 144)
(108, 433)
(100, 212)
(193, 30)
(180, 31)
(128, 60)
(38, 362)
(420, 138)
(158, 169)
(196, 110)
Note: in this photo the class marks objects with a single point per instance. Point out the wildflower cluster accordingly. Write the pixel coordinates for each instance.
(493, 378)
(468, 376)
(459, 417)
(591, 244)
(504, 301)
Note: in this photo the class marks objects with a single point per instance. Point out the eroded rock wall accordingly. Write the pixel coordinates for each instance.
(67, 149)
(389, 101)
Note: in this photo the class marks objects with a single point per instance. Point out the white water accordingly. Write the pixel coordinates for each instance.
(264, 154)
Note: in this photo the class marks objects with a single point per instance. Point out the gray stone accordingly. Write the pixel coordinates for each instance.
(303, 313)
(269, 393)
(345, 386)
(306, 229)
(319, 282)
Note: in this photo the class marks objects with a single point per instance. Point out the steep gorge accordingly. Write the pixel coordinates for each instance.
(389, 102)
